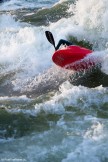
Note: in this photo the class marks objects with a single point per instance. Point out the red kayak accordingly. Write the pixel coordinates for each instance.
(73, 58)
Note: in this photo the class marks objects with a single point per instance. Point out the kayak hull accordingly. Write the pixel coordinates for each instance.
(73, 58)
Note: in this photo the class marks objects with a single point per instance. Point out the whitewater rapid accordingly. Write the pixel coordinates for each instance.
(43, 117)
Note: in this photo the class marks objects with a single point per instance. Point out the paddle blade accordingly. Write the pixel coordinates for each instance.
(50, 37)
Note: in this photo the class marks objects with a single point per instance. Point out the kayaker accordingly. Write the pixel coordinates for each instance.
(63, 42)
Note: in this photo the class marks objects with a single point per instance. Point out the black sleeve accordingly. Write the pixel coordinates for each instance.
(62, 41)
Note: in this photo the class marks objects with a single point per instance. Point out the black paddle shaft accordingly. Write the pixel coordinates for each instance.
(50, 37)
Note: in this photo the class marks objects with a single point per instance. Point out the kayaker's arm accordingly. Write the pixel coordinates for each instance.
(63, 42)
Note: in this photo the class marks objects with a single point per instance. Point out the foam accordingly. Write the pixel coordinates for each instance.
(20, 4)
(15, 98)
(75, 96)
(23, 46)
(81, 137)
(91, 146)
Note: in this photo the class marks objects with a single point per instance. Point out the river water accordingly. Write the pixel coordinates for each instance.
(44, 118)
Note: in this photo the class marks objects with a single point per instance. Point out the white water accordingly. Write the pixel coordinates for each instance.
(26, 49)
(80, 134)
(19, 4)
